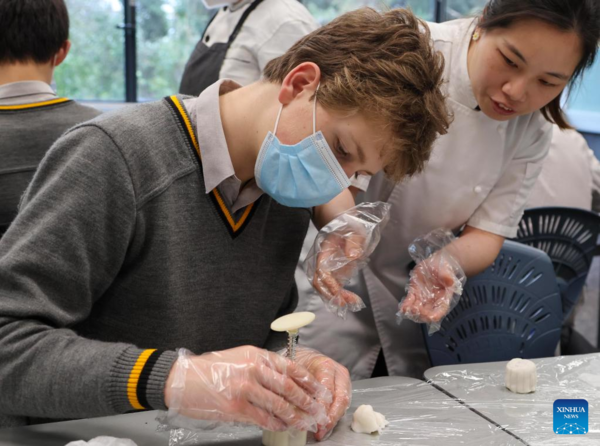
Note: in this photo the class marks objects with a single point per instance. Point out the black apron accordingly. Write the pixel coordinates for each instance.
(203, 68)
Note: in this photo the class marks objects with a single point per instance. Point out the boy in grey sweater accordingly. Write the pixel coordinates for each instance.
(179, 223)
(34, 42)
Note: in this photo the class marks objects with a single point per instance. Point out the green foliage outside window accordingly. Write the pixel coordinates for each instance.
(94, 69)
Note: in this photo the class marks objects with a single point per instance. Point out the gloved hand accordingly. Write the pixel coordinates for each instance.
(436, 282)
(337, 262)
(341, 248)
(335, 378)
(246, 385)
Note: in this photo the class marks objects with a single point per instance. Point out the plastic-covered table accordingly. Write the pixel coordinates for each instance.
(528, 417)
(419, 414)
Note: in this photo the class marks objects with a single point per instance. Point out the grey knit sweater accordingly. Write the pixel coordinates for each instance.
(26, 133)
(117, 250)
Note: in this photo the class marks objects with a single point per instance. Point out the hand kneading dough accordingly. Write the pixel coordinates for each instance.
(366, 421)
(287, 438)
(521, 375)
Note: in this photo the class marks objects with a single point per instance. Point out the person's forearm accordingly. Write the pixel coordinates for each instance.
(326, 212)
(475, 250)
(52, 373)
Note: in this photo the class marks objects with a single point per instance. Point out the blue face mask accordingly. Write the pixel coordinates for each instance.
(303, 175)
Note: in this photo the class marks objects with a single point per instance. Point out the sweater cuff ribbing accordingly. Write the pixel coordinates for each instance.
(138, 379)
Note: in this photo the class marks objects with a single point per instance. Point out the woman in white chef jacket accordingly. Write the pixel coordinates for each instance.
(505, 73)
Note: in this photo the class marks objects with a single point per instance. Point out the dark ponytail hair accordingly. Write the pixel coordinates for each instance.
(579, 16)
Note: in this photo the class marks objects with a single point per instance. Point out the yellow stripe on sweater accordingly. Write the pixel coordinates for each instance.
(33, 105)
(188, 124)
(134, 378)
(235, 226)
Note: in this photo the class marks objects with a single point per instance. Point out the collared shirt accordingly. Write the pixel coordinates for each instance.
(268, 32)
(217, 167)
(25, 92)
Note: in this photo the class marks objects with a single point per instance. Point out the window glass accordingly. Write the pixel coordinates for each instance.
(584, 102)
(326, 10)
(456, 9)
(94, 68)
(586, 97)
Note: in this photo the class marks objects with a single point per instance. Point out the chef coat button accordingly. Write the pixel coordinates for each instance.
(477, 189)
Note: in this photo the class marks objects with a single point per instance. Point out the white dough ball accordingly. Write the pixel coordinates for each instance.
(366, 421)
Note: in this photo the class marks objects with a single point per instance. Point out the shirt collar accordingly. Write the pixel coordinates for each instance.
(20, 91)
(460, 86)
(216, 161)
(239, 5)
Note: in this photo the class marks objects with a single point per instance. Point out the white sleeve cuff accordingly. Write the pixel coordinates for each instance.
(361, 182)
(494, 228)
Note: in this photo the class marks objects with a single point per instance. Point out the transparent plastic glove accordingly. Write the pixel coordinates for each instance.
(243, 385)
(436, 282)
(341, 248)
(336, 378)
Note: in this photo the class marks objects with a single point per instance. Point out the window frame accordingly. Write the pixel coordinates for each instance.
(129, 28)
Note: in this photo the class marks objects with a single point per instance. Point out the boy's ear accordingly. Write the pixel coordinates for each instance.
(62, 53)
(301, 81)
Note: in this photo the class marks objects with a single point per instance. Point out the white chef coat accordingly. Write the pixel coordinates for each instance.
(570, 176)
(268, 32)
(479, 174)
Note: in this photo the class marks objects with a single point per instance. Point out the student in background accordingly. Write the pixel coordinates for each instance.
(242, 37)
(33, 42)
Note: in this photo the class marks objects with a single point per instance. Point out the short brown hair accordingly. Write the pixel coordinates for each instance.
(381, 65)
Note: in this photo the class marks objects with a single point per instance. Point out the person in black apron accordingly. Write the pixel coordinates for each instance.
(204, 65)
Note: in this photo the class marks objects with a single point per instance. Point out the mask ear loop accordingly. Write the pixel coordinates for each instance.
(315, 110)
(277, 120)
(314, 114)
